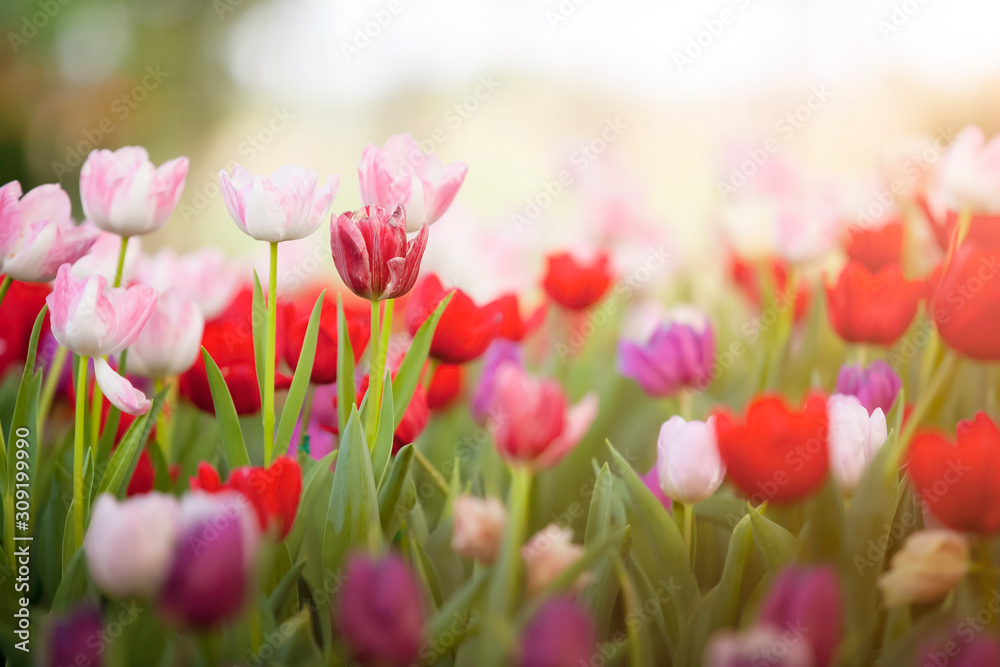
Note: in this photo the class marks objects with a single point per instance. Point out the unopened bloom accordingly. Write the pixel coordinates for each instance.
(400, 173)
(37, 233)
(688, 462)
(285, 206)
(170, 341)
(928, 566)
(379, 611)
(123, 192)
(548, 554)
(969, 172)
(130, 544)
(478, 527)
(678, 354)
(560, 634)
(855, 438)
(94, 321)
(875, 387)
(577, 283)
(464, 331)
(872, 308)
(534, 423)
(809, 600)
(372, 254)
(273, 492)
(73, 639)
(205, 277)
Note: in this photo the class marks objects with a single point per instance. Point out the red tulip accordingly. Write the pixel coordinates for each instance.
(371, 252)
(960, 482)
(513, 326)
(464, 331)
(18, 311)
(875, 249)
(866, 308)
(748, 281)
(775, 453)
(324, 370)
(445, 386)
(577, 284)
(967, 303)
(274, 492)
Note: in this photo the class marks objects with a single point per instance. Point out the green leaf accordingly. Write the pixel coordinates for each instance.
(352, 519)
(233, 443)
(315, 498)
(392, 486)
(345, 369)
(74, 582)
(459, 607)
(425, 569)
(300, 381)
(600, 507)
(258, 324)
(409, 372)
(282, 592)
(383, 436)
(126, 455)
(775, 544)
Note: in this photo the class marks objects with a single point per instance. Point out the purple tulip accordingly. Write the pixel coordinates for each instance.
(875, 387)
(559, 635)
(74, 638)
(678, 354)
(379, 611)
(959, 651)
(213, 562)
(807, 603)
(499, 352)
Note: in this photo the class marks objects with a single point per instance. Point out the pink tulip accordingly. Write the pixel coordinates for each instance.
(855, 438)
(548, 554)
(372, 255)
(688, 462)
(37, 233)
(171, 339)
(285, 206)
(205, 277)
(534, 424)
(102, 260)
(401, 173)
(969, 172)
(123, 192)
(478, 527)
(92, 320)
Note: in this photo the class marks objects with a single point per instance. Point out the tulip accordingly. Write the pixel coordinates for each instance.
(748, 280)
(445, 386)
(958, 482)
(867, 308)
(103, 258)
(18, 311)
(928, 567)
(478, 528)
(372, 254)
(273, 492)
(512, 325)
(464, 331)
(400, 173)
(547, 555)
(379, 611)
(577, 283)
(678, 354)
(124, 193)
(213, 561)
(77, 638)
(499, 352)
(809, 600)
(287, 205)
(324, 369)
(806, 228)
(37, 233)
(758, 645)
(875, 387)
(688, 463)
(963, 650)
(560, 634)
(170, 341)
(876, 248)
(535, 426)
(969, 172)
(204, 277)
(652, 481)
(967, 303)
(775, 453)
(855, 438)
(130, 544)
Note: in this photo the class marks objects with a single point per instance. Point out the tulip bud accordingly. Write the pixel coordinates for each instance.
(929, 565)
(688, 462)
(77, 638)
(808, 600)
(560, 634)
(130, 544)
(37, 233)
(854, 440)
(379, 611)
(678, 354)
(478, 527)
(759, 645)
(547, 554)
(124, 193)
(170, 341)
(285, 206)
(577, 283)
(876, 386)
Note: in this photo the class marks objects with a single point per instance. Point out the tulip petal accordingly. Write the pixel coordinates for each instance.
(119, 390)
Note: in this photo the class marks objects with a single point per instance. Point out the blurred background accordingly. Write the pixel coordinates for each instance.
(656, 103)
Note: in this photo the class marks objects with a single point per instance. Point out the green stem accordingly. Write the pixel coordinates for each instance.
(306, 414)
(95, 418)
(689, 531)
(121, 263)
(375, 370)
(438, 478)
(49, 388)
(78, 437)
(927, 396)
(161, 426)
(4, 286)
(269, 359)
